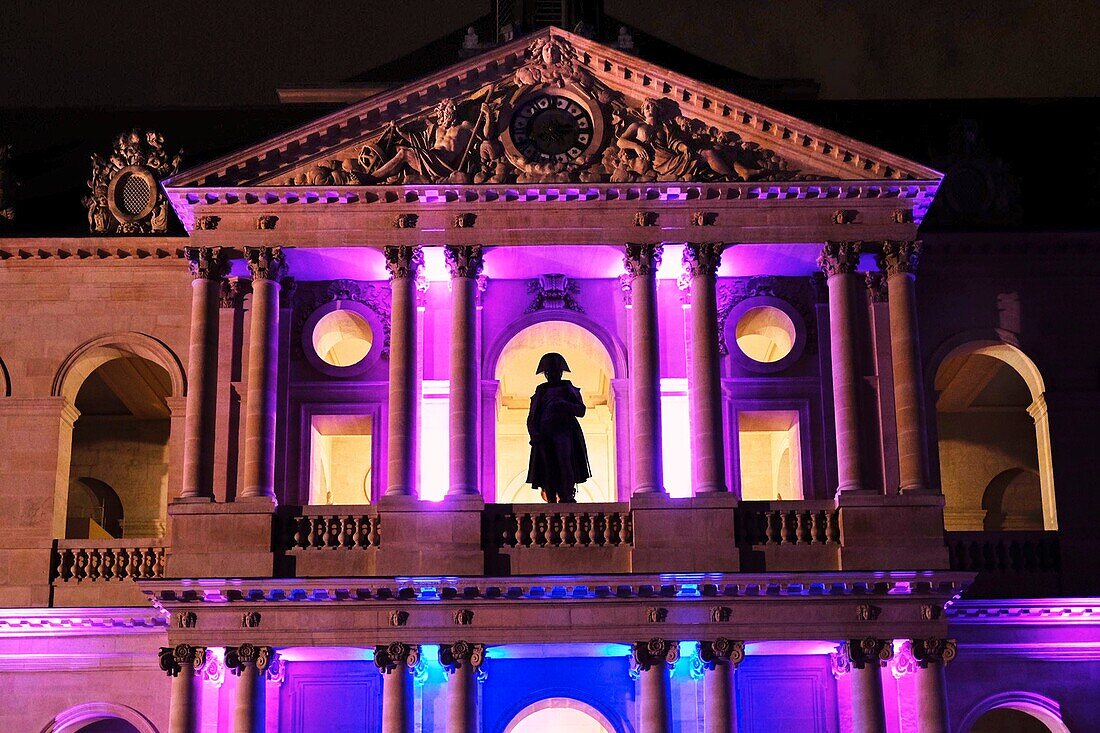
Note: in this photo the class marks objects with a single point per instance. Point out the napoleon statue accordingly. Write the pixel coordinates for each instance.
(559, 457)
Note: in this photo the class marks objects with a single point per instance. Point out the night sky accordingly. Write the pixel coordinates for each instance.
(113, 54)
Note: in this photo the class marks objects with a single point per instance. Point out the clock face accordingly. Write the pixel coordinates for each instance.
(550, 128)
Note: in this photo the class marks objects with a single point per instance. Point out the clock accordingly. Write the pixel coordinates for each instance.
(551, 127)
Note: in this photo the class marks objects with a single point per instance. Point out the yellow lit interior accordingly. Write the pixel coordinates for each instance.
(771, 462)
(342, 338)
(340, 472)
(765, 334)
(591, 372)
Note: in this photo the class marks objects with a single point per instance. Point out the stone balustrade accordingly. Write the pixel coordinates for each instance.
(788, 523)
(1008, 563)
(332, 528)
(107, 560)
(579, 525)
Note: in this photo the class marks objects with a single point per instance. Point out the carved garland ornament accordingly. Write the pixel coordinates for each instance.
(550, 121)
(125, 195)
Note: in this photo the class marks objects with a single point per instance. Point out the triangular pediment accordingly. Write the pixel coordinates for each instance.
(552, 107)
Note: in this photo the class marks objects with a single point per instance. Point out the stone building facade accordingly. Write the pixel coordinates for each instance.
(267, 472)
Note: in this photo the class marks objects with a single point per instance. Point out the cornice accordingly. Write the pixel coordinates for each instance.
(1025, 611)
(80, 621)
(836, 155)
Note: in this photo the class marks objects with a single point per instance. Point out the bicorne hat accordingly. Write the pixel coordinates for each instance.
(552, 362)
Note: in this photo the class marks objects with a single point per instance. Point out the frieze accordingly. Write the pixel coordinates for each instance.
(125, 195)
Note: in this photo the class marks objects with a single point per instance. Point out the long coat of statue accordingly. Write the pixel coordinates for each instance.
(559, 457)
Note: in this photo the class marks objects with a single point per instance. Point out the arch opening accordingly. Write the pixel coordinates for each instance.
(994, 440)
(559, 715)
(118, 467)
(592, 371)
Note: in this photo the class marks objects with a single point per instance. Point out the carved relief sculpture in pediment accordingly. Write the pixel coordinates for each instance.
(125, 193)
(551, 120)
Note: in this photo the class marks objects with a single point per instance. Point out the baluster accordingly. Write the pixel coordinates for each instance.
(158, 565)
(122, 563)
(568, 529)
(540, 527)
(357, 531)
(299, 535)
(349, 532)
(108, 564)
(584, 537)
(830, 526)
(95, 563)
(524, 530)
(63, 564)
(607, 524)
(133, 568)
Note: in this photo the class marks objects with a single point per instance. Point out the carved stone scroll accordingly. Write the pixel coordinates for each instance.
(461, 653)
(172, 659)
(721, 651)
(125, 195)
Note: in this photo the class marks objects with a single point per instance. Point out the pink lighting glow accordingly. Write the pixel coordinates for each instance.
(675, 437)
(434, 439)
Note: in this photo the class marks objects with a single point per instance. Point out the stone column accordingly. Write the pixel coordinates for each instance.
(396, 663)
(930, 656)
(250, 663)
(403, 264)
(181, 663)
(641, 262)
(720, 659)
(461, 660)
(899, 262)
(863, 659)
(209, 267)
(651, 661)
(838, 261)
(267, 267)
(465, 266)
(704, 386)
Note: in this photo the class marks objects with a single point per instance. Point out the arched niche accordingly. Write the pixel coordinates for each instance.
(992, 418)
(93, 716)
(594, 369)
(122, 387)
(560, 714)
(1015, 712)
(5, 380)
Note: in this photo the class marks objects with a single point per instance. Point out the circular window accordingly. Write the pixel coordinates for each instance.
(342, 338)
(132, 193)
(765, 334)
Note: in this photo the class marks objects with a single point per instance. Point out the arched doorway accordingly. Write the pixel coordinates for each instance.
(559, 715)
(100, 717)
(1015, 712)
(994, 440)
(592, 371)
(118, 468)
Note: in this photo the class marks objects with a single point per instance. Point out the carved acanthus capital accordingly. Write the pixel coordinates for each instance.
(702, 259)
(207, 263)
(642, 260)
(464, 261)
(265, 263)
(404, 261)
(648, 654)
(174, 658)
(395, 655)
(233, 291)
(721, 651)
(899, 257)
(460, 654)
(934, 650)
(861, 652)
(237, 658)
(839, 258)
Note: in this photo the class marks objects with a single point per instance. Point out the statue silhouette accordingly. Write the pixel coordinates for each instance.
(559, 457)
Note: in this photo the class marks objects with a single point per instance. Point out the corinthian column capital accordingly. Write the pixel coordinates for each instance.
(397, 654)
(174, 658)
(642, 259)
(839, 258)
(265, 263)
(461, 654)
(702, 258)
(721, 651)
(656, 651)
(237, 658)
(899, 257)
(207, 263)
(462, 260)
(403, 261)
